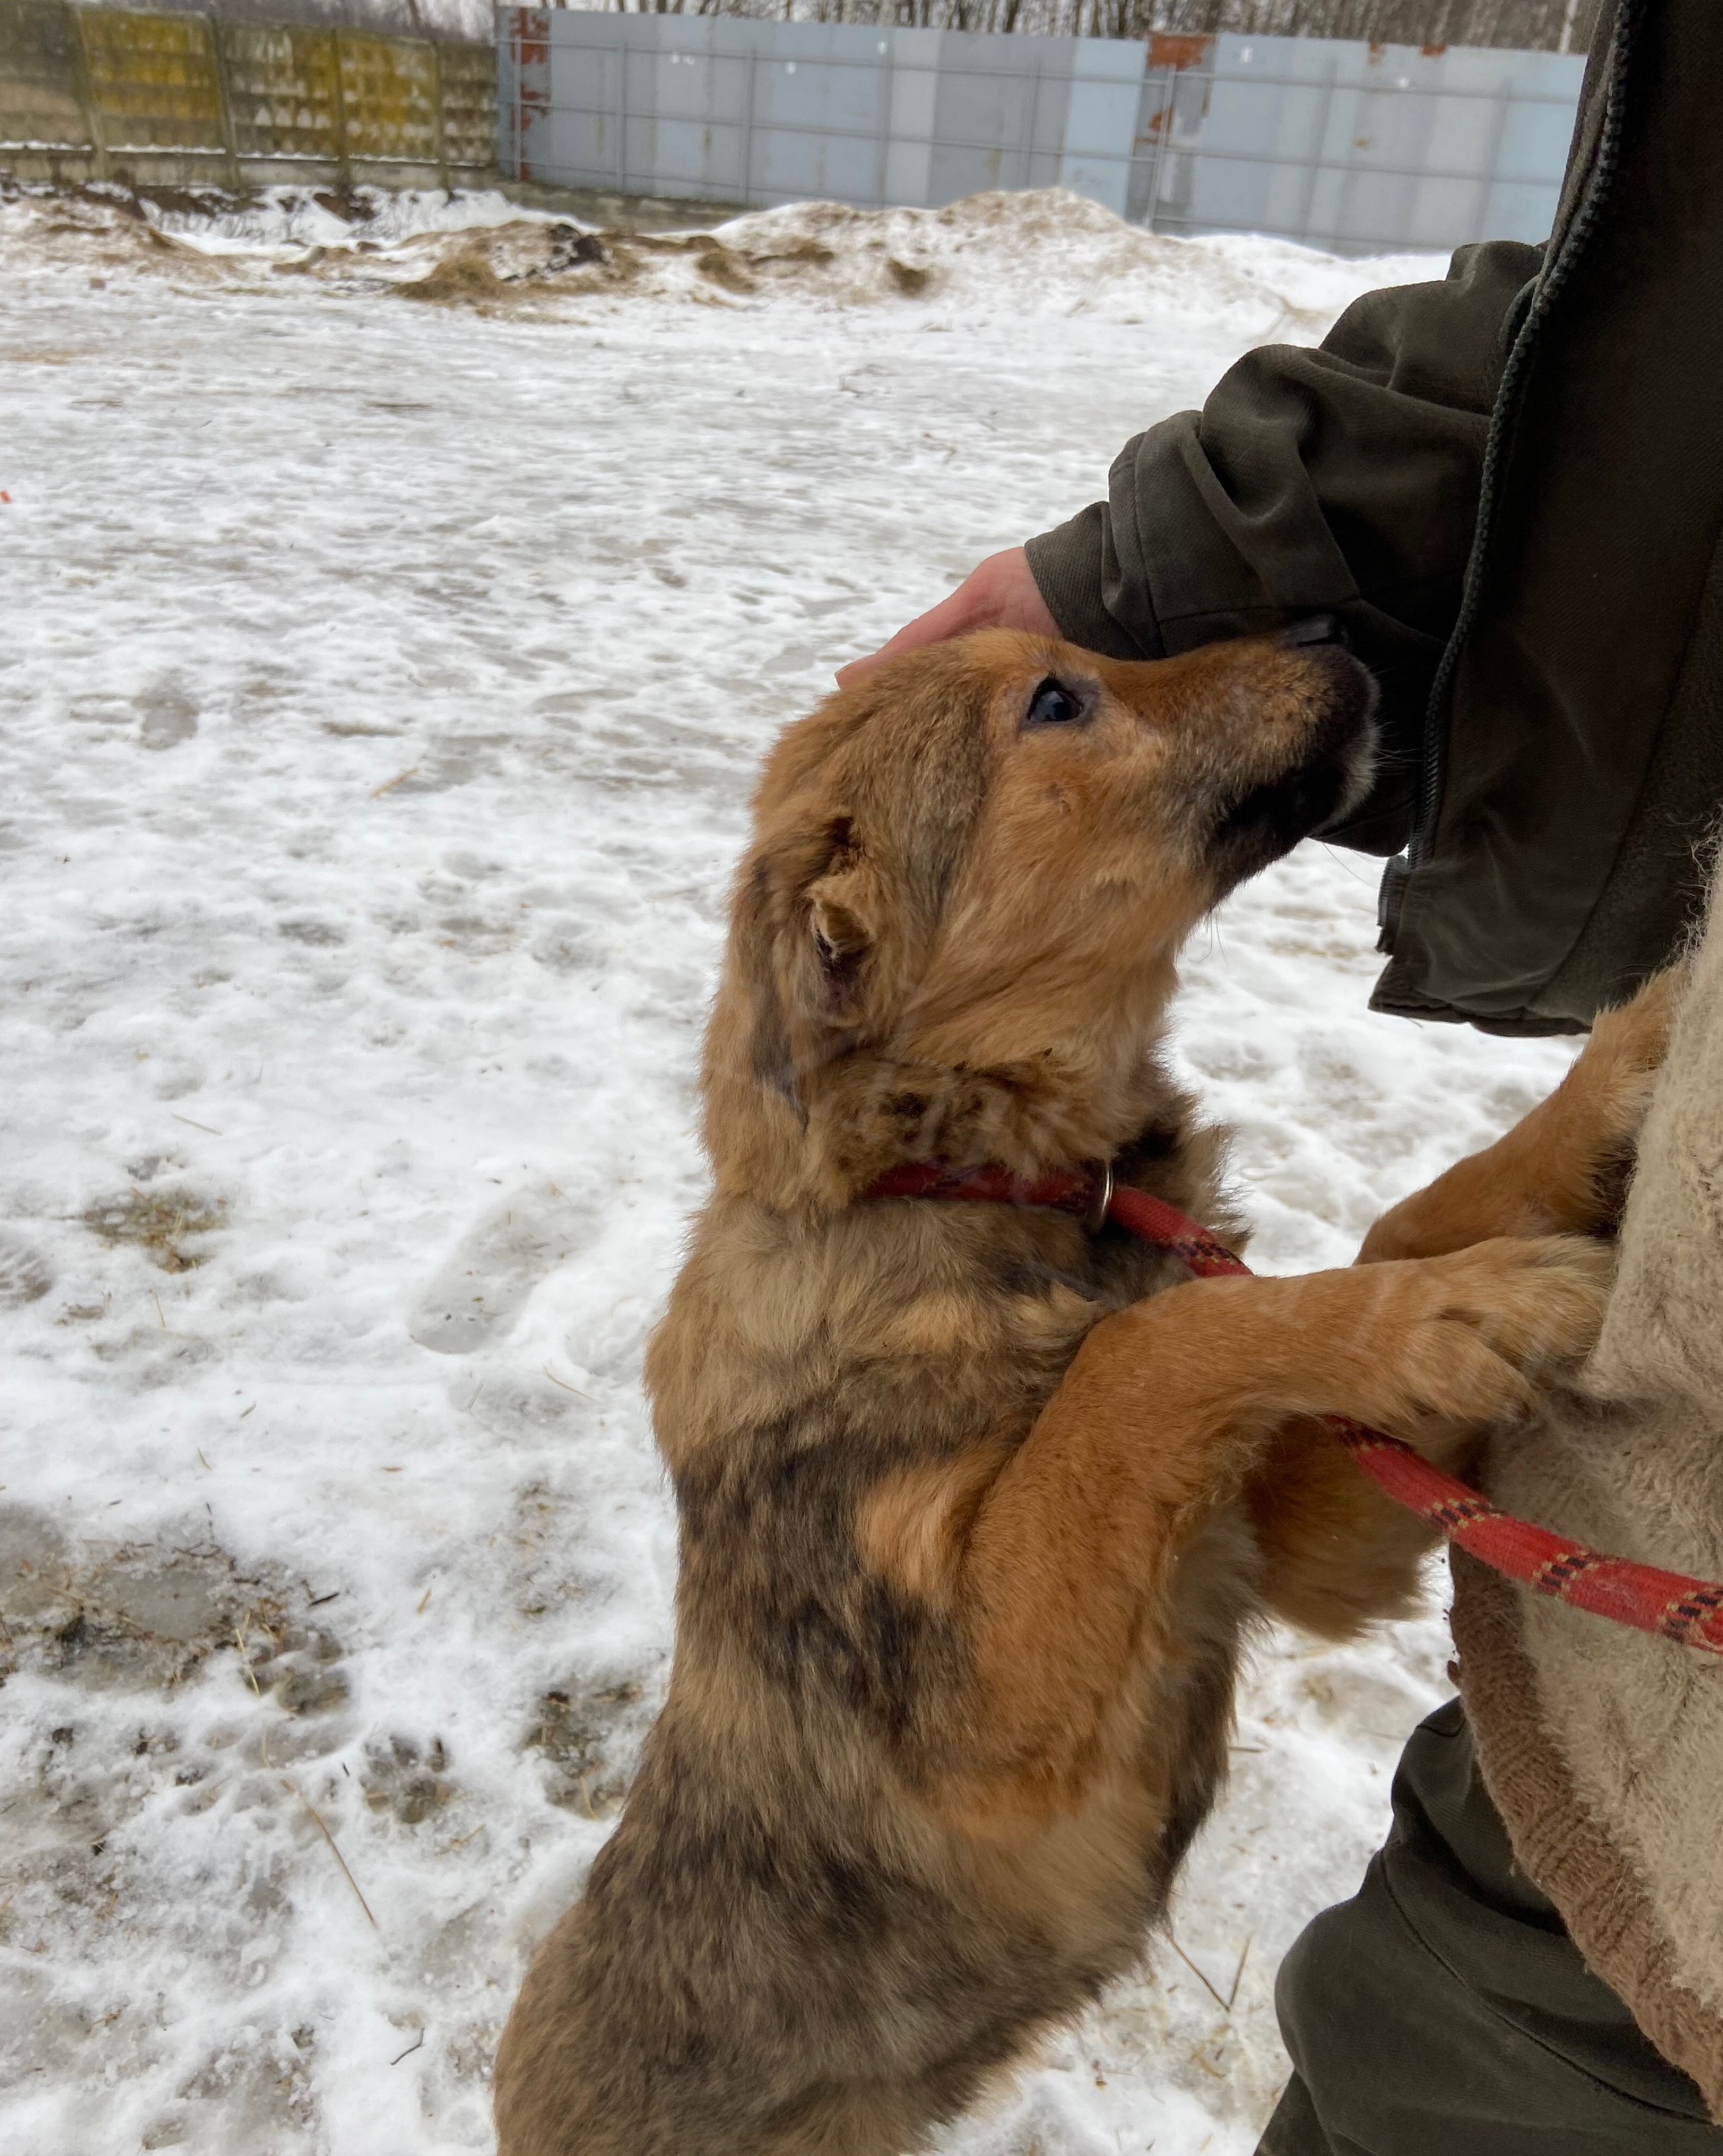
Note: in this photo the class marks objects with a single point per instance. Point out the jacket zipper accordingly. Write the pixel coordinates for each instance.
(1432, 770)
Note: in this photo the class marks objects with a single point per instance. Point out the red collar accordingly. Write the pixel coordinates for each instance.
(1081, 1191)
(1090, 1193)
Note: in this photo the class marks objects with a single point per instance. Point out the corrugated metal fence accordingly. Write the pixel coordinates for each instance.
(1351, 146)
(99, 92)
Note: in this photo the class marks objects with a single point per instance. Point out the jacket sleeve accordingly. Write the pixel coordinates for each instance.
(1340, 479)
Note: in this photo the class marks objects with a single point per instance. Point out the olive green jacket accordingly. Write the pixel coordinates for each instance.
(1509, 486)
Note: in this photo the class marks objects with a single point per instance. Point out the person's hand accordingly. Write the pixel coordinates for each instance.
(1002, 594)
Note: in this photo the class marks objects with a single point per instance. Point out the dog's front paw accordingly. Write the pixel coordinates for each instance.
(1468, 1336)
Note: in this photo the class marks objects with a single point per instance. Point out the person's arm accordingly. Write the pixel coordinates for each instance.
(1342, 479)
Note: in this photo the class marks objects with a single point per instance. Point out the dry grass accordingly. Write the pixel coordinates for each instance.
(158, 1222)
(322, 1824)
(459, 280)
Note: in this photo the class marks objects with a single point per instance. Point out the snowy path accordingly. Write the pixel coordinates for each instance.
(381, 688)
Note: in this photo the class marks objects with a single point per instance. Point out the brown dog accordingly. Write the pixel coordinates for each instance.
(976, 1506)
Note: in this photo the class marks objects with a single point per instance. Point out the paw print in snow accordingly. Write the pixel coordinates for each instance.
(398, 1778)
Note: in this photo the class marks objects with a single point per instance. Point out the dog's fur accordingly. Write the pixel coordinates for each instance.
(976, 1507)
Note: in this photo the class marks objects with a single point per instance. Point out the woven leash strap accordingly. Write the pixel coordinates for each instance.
(1672, 1604)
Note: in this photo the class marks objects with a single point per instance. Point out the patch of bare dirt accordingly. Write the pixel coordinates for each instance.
(147, 1615)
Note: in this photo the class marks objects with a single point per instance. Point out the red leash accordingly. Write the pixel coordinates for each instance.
(1642, 1596)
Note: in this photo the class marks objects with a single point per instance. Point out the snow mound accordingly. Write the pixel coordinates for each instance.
(1047, 253)
(1042, 252)
(101, 222)
(277, 220)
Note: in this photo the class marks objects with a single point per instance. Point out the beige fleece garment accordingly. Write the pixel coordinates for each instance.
(1603, 1747)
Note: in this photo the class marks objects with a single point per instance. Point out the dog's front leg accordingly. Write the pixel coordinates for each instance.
(1066, 1574)
(1336, 1553)
(1562, 1169)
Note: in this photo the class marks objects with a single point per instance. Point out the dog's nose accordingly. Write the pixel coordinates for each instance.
(1319, 628)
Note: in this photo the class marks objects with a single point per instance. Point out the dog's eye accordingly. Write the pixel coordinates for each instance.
(1053, 704)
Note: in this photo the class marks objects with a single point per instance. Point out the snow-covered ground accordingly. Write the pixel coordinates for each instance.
(382, 685)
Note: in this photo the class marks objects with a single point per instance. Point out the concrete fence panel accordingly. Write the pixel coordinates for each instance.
(468, 80)
(94, 93)
(153, 81)
(40, 92)
(283, 85)
(390, 99)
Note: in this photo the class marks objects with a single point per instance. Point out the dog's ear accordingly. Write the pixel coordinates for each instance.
(843, 910)
(840, 908)
(802, 935)
(753, 928)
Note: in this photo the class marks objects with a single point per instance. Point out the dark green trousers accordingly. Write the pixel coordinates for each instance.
(1444, 2011)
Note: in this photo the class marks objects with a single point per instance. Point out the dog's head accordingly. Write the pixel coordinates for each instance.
(953, 935)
